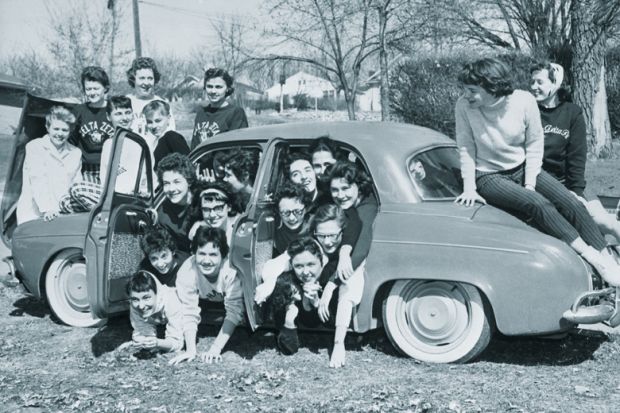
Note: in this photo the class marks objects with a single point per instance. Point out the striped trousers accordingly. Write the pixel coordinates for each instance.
(552, 207)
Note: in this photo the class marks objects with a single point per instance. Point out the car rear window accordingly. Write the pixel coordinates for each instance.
(436, 173)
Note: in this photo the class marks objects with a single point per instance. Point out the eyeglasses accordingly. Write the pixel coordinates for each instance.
(218, 210)
(327, 237)
(285, 213)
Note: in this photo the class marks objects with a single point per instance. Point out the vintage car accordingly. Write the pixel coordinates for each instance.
(440, 277)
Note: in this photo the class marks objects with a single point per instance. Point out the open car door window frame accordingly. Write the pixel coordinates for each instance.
(103, 218)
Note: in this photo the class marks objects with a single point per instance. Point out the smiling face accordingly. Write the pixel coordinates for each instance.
(541, 86)
(121, 117)
(58, 132)
(307, 267)
(344, 194)
(143, 302)
(215, 213)
(162, 260)
(329, 235)
(301, 173)
(477, 96)
(95, 92)
(216, 89)
(144, 83)
(320, 161)
(291, 212)
(175, 187)
(209, 261)
(157, 123)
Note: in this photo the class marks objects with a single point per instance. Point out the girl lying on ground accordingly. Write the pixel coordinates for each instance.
(208, 275)
(152, 304)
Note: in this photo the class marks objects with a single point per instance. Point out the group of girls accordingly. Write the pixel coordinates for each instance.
(324, 211)
(525, 153)
(62, 170)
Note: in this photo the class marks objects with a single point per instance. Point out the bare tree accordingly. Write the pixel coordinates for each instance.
(83, 35)
(331, 35)
(232, 33)
(565, 30)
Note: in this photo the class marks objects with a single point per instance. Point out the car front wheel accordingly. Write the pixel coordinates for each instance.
(436, 321)
(65, 288)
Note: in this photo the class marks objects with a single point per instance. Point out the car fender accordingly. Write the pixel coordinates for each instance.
(36, 242)
(528, 278)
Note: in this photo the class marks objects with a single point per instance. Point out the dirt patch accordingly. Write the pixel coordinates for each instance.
(45, 366)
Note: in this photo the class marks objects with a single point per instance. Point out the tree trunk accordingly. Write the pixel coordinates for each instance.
(350, 99)
(588, 69)
(383, 66)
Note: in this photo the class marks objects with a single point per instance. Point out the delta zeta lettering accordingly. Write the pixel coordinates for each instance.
(565, 133)
(96, 132)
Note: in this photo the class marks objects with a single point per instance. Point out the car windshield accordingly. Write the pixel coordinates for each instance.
(436, 173)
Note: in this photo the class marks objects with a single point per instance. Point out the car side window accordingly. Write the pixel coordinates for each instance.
(436, 173)
(131, 174)
(235, 165)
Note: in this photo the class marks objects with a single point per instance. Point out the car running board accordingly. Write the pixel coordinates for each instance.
(607, 312)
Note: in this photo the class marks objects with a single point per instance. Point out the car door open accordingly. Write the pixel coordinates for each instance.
(112, 247)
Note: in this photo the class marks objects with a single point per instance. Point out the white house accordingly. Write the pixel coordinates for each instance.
(301, 83)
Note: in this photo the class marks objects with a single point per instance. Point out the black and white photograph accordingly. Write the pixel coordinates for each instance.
(309, 206)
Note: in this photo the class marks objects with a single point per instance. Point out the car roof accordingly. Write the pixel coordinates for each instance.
(384, 146)
(395, 139)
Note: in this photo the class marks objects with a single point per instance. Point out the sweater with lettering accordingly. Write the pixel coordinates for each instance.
(210, 121)
(92, 129)
(565, 145)
(499, 137)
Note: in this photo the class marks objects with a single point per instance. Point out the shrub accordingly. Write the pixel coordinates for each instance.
(425, 91)
(300, 101)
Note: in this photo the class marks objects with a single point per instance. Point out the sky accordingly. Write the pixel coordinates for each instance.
(169, 26)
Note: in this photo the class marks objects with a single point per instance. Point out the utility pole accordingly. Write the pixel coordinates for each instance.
(136, 29)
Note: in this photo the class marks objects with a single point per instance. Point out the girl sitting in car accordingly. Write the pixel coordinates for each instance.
(176, 175)
(217, 206)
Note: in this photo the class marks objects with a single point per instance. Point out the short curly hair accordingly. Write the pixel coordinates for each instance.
(491, 74)
(353, 174)
(142, 63)
(60, 113)
(141, 282)
(217, 72)
(178, 163)
(293, 191)
(301, 245)
(95, 74)
(216, 236)
(222, 192)
(156, 238)
(244, 164)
